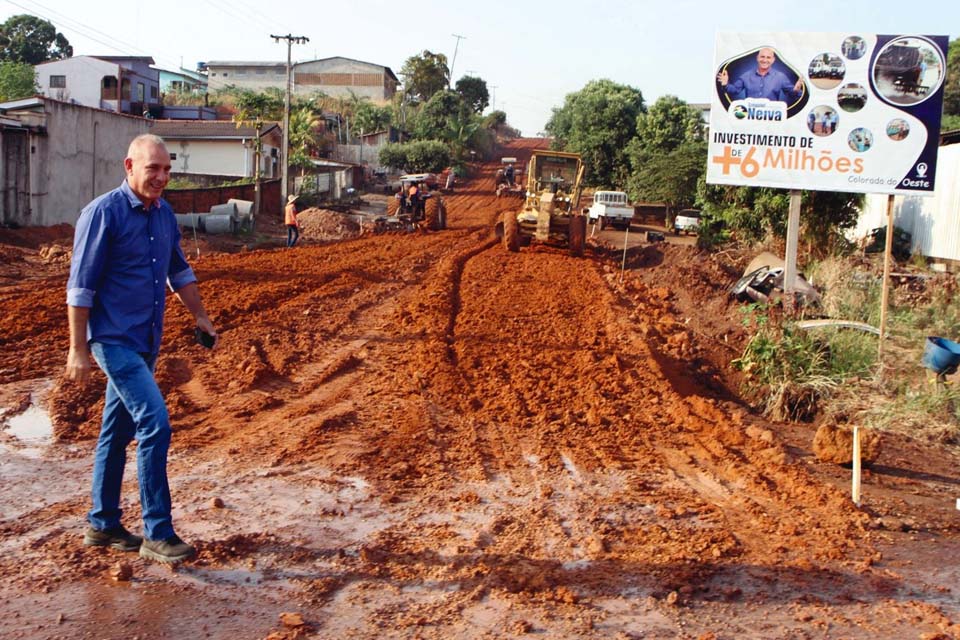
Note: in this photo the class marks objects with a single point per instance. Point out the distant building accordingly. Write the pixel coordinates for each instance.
(182, 81)
(336, 77)
(218, 148)
(124, 84)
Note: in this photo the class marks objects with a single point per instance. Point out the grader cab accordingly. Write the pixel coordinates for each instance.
(550, 211)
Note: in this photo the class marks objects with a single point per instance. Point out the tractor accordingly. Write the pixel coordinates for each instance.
(426, 208)
(550, 211)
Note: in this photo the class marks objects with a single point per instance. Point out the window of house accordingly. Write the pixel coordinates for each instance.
(58, 82)
(125, 89)
(279, 71)
(154, 92)
(240, 72)
(173, 156)
(141, 92)
(260, 72)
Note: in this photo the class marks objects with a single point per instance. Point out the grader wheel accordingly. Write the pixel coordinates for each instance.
(577, 235)
(511, 231)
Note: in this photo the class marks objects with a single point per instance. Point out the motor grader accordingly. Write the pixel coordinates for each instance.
(550, 211)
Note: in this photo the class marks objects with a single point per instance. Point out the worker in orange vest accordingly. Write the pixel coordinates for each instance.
(290, 219)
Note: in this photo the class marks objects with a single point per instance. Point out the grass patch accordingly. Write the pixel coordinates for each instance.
(792, 374)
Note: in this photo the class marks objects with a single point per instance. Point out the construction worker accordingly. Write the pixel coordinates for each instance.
(508, 174)
(290, 219)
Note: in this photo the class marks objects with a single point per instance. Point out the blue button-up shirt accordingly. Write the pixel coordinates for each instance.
(123, 258)
(770, 86)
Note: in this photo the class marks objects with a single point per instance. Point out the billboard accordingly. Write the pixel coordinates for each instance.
(827, 111)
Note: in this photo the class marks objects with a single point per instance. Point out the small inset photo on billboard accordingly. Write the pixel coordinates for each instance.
(853, 47)
(852, 97)
(822, 120)
(860, 139)
(898, 129)
(826, 71)
(908, 70)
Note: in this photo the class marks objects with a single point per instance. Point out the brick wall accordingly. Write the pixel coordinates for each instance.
(200, 200)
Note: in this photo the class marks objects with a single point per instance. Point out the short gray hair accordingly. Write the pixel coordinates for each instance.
(144, 139)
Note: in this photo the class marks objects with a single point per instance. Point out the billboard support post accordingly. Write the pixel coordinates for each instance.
(793, 240)
(885, 295)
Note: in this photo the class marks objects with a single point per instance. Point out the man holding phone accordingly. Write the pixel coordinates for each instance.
(126, 250)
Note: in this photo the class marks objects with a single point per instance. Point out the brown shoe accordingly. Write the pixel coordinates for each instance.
(171, 550)
(117, 538)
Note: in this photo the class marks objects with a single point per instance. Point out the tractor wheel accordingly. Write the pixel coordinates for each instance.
(602, 222)
(393, 207)
(511, 231)
(577, 235)
(443, 215)
(431, 214)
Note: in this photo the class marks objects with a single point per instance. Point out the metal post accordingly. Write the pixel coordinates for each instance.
(885, 295)
(285, 147)
(793, 240)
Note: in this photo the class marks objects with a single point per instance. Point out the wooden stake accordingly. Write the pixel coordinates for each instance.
(623, 264)
(856, 466)
(885, 295)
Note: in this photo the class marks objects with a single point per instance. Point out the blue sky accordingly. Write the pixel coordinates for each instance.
(533, 52)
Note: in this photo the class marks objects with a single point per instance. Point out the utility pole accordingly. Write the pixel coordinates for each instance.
(285, 167)
(457, 46)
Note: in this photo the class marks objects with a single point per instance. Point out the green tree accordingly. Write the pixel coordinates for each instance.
(433, 118)
(669, 123)
(951, 91)
(669, 176)
(598, 122)
(668, 156)
(253, 109)
(17, 80)
(474, 92)
(32, 40)
(369, 118)
(424, 75)
(304, 137)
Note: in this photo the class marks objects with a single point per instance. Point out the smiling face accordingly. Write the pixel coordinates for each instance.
(148, 169)
(765, 59)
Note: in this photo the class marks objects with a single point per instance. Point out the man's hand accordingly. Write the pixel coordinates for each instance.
(723, 78)
(799, 86)
(79, 365)
(207, 326)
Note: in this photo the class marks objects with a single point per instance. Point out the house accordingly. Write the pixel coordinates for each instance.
(219, 149)
(182, 81)
(933, 222)
(336, 77)
(124, 84)
(57, 156)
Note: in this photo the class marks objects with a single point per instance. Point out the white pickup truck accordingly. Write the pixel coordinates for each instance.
(611, 208)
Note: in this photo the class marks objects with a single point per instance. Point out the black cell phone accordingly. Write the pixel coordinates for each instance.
(204, 338)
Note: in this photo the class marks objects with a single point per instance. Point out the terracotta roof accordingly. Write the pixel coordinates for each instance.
(207, 129)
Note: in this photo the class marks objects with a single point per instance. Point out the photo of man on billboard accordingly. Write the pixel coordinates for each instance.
(760, 74)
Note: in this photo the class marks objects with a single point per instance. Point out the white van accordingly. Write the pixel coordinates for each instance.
(611, 208)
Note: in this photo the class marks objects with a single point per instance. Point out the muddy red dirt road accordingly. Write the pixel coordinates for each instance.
(425, 436)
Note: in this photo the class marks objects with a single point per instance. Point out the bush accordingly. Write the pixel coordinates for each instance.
(416, 157)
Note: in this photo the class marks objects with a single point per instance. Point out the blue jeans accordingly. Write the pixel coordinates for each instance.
(134, 408)
(293, 234)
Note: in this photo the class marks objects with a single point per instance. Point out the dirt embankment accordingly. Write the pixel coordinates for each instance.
(423, 435)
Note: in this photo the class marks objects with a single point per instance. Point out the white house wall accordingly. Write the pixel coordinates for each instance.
(933, 222)
(79, 158)
(83, 76)
(217, 157)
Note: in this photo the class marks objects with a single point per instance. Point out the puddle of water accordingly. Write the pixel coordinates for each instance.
(32, 427)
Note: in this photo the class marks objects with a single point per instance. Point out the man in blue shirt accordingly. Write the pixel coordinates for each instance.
(126, 249)
(762, 82)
